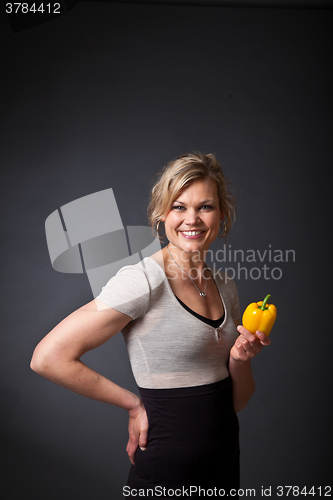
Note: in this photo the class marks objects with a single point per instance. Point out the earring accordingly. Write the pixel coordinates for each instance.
(160, 237)
(223, 229)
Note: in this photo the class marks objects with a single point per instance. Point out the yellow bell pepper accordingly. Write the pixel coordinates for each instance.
(259, 316)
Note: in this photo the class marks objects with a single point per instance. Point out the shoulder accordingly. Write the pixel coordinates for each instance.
(128, 291)
(135, 279)
(132, 270)
(131, 276)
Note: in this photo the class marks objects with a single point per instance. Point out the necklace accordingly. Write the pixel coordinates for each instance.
(202, 294)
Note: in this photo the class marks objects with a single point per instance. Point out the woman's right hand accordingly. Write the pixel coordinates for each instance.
(137, 430)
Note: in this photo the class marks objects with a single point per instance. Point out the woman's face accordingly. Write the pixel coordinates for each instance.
(193, 221)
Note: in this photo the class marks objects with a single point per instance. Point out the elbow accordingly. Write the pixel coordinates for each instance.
(35, 363)
(48, 362)
(241, 402)
(239, 407)
(39, 362)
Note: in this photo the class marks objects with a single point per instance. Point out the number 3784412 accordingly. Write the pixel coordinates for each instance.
(33, 8)
(299, 491)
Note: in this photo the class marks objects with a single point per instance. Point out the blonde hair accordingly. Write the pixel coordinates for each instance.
(182, 172)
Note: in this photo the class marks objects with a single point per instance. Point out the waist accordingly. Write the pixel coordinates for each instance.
(181, 392)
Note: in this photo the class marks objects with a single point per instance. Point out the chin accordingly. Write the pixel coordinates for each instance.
(190, 247)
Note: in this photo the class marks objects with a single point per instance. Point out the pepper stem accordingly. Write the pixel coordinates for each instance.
(263, 307)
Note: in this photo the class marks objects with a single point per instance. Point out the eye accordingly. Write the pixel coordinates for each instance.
(177, 207)
(207, 207)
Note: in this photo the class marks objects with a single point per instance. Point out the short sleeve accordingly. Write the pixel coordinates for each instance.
(127, 292)
(235, 308)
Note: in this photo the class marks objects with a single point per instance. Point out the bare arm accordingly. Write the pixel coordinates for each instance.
(245, 348)
(57, 358)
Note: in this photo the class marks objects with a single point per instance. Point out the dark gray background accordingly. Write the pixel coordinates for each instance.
(103, 97)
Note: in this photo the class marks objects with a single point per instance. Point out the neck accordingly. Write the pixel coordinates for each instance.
(191, 262)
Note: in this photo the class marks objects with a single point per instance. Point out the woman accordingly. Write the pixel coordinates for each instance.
(192, 366)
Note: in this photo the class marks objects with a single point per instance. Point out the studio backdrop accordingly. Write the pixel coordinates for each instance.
(100, 98)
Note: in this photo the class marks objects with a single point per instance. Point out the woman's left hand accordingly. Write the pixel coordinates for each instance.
(248, 345)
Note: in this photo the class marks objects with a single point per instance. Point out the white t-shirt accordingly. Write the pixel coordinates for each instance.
(168, 346)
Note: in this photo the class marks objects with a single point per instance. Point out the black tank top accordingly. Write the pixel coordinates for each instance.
(212, 322)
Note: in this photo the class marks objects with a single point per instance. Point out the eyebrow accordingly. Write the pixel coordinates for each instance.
(210, 200)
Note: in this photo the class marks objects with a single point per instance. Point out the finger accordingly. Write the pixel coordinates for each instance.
(242, 355)
(143, 440)
(264, 340)
(246, 333)
(131, 457)
(250, 339)
(131, 449)
(251, 348)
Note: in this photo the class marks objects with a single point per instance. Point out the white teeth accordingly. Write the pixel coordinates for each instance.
(191, 233)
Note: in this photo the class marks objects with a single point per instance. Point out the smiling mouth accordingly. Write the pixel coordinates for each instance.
(191, 233)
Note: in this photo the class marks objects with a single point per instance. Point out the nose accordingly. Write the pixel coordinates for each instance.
(192, 217)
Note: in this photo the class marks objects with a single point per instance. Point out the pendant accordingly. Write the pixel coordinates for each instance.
(203, 294)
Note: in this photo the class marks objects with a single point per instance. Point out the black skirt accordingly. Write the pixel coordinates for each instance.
(193, 443)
